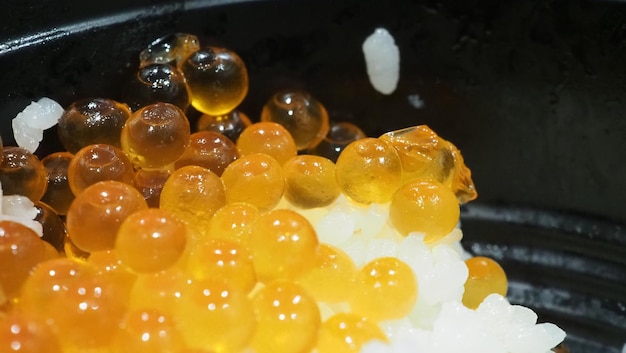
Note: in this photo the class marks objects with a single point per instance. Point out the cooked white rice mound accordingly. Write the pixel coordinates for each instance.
(29, 124)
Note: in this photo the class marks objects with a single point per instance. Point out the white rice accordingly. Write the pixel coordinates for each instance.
(29, 124)
(382, 59)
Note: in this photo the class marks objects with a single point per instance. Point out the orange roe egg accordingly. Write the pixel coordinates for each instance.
(193, 194)
(310, 181)
(331, 278)
(96, 163)
(58, 193)
(22, 173)
(162, 290)
(107, 263)
(223, 260)
(485, 277)
(88, 314)
(234, 222)
(424, 206)
(151, 240)
(217, 79)
(53, 227)
(20, 250)
(147, 330)
(97, 213)
(209, 150)
(269, 138)
(257, 179)
(347, 333)
(384, 289)
(284, 245)
(369, 171)
(23, 333)
(288, 319)
(303, 116)
(155, 135)
(214, 315)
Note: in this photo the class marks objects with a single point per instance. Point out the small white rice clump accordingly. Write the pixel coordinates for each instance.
(382, 59)
(439, 322)
(19, 209)
(29, 124)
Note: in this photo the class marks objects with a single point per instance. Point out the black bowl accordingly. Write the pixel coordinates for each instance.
(531, 92)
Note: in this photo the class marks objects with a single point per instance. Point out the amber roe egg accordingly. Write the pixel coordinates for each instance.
(58, 195)
(303, 116)
(155, 136)
(97, 213)
(288, 319)
(257, 179)
(424, 206)
(151, 240)
(284, 245)
(147, 330)
(217, 79)
(384, 289)
(150, 182)
(24, 333)
(340, 135)
(310, 181)
(22, 173)
(90, 121)
(96, 163)
(485, 277)
(369, 171)
(209, 150)
(269, 138)
(330, 279)
(234, 222)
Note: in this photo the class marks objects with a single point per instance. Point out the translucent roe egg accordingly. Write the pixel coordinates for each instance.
(288, 319)
(162, 290)
(156, 83)
(147, 330)
(99, 162)
(213, 315)
(107, 263)
(91, 121)
(151, 240)
(485, 277)
(234, 222)
(310, 181)
(23, 333)
(58, 195)
(303, 116)
(425, 155)
(269, 138)
(284, 245)
(209, 150)
(193, 194)
(22, 173)
(230, 124)
(369, 171)
(217, 78)
(169, 49)
(223, 260)
(384, 289)
(330, 279)
(257, 179)
(97, 213)
(155, 135)
(20, 250)
(340, 135)
(347, 333)
(424, 206)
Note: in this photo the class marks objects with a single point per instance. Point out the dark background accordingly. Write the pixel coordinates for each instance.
(532, 92)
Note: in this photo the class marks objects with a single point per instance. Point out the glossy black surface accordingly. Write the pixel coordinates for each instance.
(532, 92)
